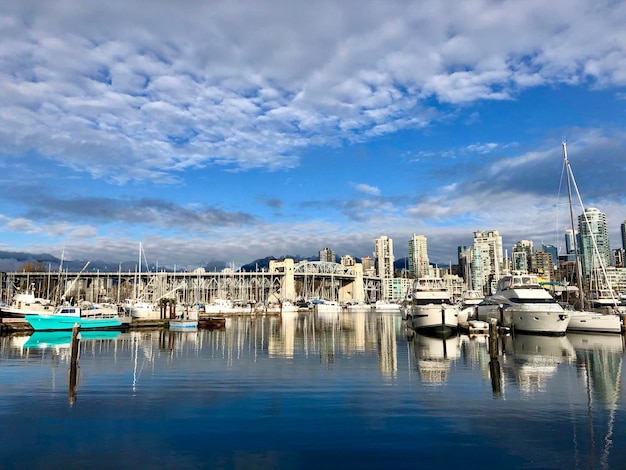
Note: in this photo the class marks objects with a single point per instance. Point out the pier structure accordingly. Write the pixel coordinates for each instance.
(284, 280)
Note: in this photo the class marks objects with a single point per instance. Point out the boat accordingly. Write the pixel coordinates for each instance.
(141, 310)
(326, 306)
(187, 321)
(605, 315)
(469, 301)
(24, 304)
(594, 322)
(180, 324)
(521, 303)
(386, 306)
(429, 307)
(220, 306)
(64, 317)
(353, 306)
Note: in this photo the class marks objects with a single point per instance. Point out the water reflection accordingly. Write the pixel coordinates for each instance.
(531, 360)
(290, 376)
(433, 356)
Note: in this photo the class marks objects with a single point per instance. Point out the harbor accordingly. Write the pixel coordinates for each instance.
(306, 390)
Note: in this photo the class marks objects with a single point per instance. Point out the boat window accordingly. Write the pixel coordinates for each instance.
(533, 301)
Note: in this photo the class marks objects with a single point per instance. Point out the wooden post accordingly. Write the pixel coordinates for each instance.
(73, 377)
(493, 338)
(494, 364)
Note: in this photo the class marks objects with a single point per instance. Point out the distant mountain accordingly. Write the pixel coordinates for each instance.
(11, 261)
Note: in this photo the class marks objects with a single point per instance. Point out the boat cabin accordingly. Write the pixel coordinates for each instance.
(518, 281)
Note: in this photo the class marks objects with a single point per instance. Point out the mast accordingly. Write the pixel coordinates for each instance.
(579, 271)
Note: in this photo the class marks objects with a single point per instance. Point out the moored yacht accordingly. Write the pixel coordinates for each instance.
(525, 306)
(386, 306)
(429, 307)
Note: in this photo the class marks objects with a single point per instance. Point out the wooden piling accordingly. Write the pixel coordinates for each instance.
(73, 376)
(493, 338)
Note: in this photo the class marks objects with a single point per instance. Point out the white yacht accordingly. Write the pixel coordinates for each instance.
(141, 310)
(386, 306)
(326, 306)
(525, 306)
(430, 308)
(469, 303)
(595, 322)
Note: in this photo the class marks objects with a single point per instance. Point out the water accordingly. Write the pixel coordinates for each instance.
(305, 391)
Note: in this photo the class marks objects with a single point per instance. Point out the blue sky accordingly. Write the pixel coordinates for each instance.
(237, 130)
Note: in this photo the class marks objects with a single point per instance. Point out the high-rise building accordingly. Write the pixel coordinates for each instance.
(383, 252)
(594, 248)
(327, 255)
(418, 256)
(522, 256)
(624, 235)
(543, 264)
(348, 260)
(554, 252)
(486, 260)
(369, 265)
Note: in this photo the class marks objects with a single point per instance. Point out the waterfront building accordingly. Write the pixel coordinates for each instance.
(348, 260)
(592, 229)
(396, 288)
(617, 278)
(327, 255)
(571, 242)
(554, 252)
(522, 256)
(486, 260)
(418, 256)
(369, 265)
(383, 253)
(543, 265)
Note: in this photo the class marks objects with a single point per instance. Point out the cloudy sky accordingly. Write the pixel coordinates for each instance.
(237, 130)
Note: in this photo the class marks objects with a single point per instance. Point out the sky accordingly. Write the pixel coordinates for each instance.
(237, 130)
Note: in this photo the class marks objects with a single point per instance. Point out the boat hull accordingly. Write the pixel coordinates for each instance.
(433, 318)
(595, 322)
(60, 322)
(184, 325)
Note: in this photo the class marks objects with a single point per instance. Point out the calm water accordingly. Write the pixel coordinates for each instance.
(339, 391)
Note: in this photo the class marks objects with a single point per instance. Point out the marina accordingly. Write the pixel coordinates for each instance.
(303, 390)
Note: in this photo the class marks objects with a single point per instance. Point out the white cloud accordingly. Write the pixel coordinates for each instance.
(194, 84)
(367, 189)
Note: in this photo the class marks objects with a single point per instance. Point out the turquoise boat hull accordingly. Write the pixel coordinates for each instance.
(60, 322)
(63, 338)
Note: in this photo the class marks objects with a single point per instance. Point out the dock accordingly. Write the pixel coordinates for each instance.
(20, 325)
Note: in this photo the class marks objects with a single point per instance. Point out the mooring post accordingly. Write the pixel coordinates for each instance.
(493, 338)
(73, 377)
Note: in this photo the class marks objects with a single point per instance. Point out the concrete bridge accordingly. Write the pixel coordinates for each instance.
(284, 280)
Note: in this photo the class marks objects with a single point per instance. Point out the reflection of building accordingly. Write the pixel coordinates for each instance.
(387, 346)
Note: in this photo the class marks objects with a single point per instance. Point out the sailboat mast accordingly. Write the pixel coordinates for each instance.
(579, 272)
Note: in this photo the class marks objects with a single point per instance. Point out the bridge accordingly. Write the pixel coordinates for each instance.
(284, 280)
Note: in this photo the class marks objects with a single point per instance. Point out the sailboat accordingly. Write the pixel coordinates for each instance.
(582, 320)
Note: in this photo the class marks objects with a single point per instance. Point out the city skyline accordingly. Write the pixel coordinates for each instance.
(237, 131)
